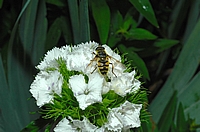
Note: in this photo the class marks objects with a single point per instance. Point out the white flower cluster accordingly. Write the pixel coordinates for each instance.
(77, 58)
(119, 119)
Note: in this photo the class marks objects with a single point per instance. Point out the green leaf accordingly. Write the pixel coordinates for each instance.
(181, 122)
(140, 34)
(164, 44)
(182, 73)
(60, 3)
(74, 16)
(18, 92)
(135, 60)
(53, 34)
(66, 30)
(167, 117)
(107, 102)
(27, 26)
(148, 126)
(129, 21)
(189, 97)
(145, 8)
(155, 47)
(178, 17)
(48, 128)
(84, 21)
(140, 64)
(36, 125)
(4, 97)
(101, 14)
(33, 31)
(18, 83)
(40, 33)
(116, 23)
(189, 94)
(193, 17)
(80, 20)
(113, 40)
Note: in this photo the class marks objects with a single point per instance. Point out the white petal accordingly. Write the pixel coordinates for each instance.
(80, 57)
(126, 83)
(44, 85)
(118, 69)
(102, 129)
(110, 52)
(84, 101)
(114, 123)
(77, 84)
(106, 87)
(88, 46)
(131, 118)
(136, 85)
(50, 58)
(79, 60)
(129, 114)
(84, 125)
(95, 83)
(64, 126)
(86, 94)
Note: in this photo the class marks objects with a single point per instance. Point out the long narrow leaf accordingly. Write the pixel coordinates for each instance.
(101, 14)
(183, 71)
(178, 18)
(4, 105)
(27, 26)
(33, 28)
(40, 32)
(167, 117)
(189, 97)
(11, 118)
(60, 3)
(192, 18)
(73, 9)
(181, 121)
(190, 93)
(145, 8)
(54, 34)
(18, 82)
(66, 29)
(84, 21)
(135, 60)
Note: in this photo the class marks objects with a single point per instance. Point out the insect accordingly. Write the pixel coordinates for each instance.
(103, 61)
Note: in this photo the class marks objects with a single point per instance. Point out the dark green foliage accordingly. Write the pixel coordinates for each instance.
(151, 33)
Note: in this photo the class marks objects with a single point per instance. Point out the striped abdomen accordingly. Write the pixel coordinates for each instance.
(103, 65)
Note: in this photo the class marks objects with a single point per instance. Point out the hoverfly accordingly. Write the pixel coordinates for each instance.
(102, 61)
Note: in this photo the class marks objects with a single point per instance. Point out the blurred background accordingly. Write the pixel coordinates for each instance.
(162, 38)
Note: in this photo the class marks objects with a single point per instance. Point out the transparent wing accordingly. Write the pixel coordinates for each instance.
(117, 63)
(92, 66)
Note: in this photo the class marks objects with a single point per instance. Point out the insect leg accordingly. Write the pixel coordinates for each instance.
(94, 53)
(94, 59)
(113, 69)
(94, 69)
